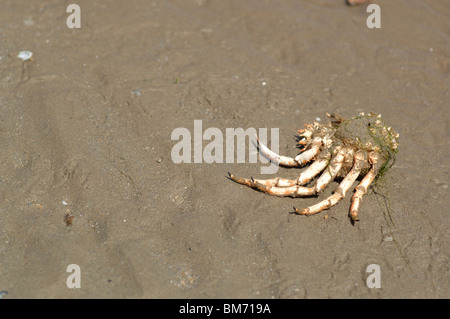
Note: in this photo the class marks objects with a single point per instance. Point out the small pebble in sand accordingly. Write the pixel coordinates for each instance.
(3, 294)
(68, 219)
(178, 200)
(136, 92)
(25, 55)
(28, 22)
(186, 279)
(159, 160)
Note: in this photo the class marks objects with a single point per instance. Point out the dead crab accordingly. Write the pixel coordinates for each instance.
(341, 149)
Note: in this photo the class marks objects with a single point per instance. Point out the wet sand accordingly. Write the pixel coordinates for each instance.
(85, 131)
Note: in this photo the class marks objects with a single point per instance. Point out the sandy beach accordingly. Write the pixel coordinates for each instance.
(87, 176)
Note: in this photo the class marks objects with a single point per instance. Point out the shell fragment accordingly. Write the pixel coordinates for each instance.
(25, 55)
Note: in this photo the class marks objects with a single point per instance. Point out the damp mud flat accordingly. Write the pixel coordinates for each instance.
(87, 178)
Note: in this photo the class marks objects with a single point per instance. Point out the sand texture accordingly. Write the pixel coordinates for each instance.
(87, 177)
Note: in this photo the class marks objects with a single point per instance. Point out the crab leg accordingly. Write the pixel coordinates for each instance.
(361, 189)
(312, 171)
(293, 191)
(299, 160)
(315, 168)
(277, 181)
(335, 166)
(309, 154)
(276, 186)
(340, 191)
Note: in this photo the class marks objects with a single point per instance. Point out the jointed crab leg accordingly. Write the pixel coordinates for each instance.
(276, 186)
(308, 174)
(315, 168)
(309, 154)
(293, 191)
(299, 160)
(361, 189)
(335, 165)
(277, 181)
(340, 191)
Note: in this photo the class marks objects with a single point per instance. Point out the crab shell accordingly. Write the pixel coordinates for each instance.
(365, 132)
